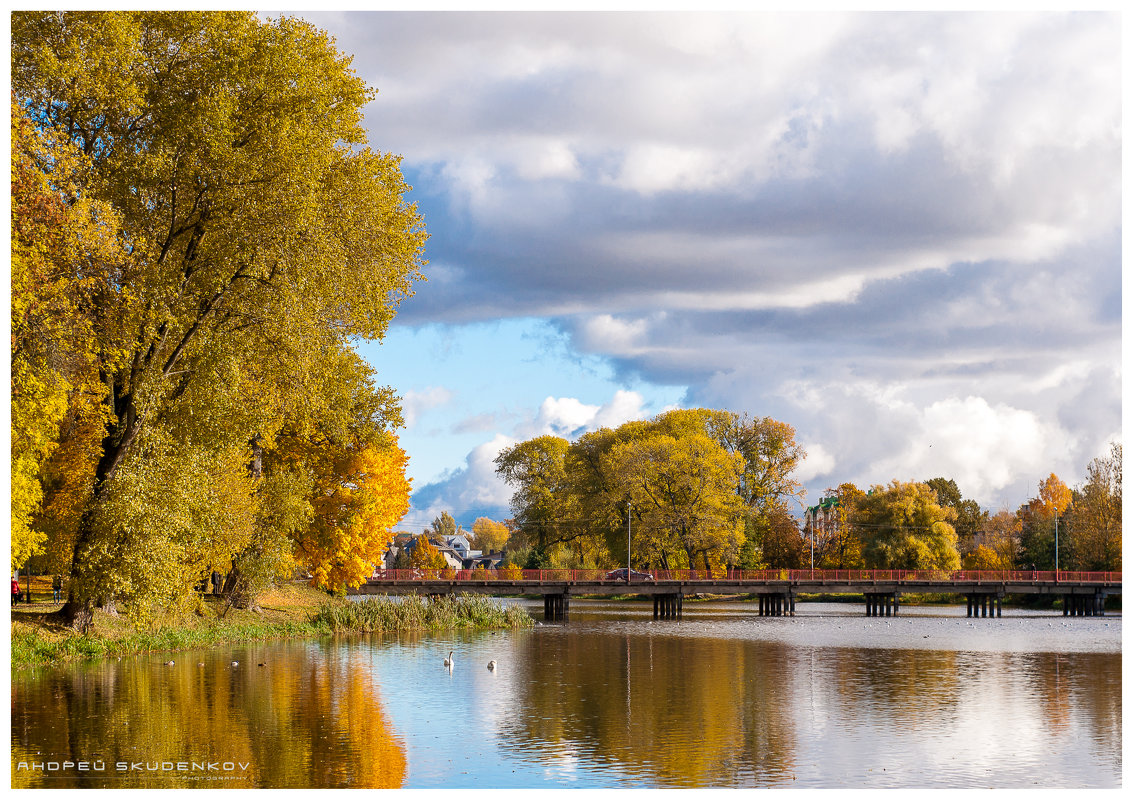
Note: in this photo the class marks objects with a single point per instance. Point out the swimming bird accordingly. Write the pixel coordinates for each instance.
(449, 660)
(259, 664)
(170, 662)
(235, 663)
(492, 665)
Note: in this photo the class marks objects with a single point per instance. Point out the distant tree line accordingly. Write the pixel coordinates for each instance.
(711, 489)
(854, 528)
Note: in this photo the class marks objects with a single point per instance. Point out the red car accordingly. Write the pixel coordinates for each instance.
(620, 575)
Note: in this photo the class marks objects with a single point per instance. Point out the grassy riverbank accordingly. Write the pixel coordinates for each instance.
(289, 611)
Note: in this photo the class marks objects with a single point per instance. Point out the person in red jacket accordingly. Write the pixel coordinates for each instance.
(15, 590)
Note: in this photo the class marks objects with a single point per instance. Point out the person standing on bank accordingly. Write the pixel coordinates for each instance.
(15, 590)
(57, 588)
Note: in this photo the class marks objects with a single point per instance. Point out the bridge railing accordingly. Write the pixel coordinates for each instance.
(785, 575)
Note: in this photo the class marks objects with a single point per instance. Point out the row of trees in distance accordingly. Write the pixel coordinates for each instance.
(711, 489)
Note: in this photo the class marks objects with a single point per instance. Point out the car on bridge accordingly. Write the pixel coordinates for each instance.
(620, 575)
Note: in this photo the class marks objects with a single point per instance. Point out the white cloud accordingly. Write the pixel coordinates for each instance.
(467, 489)
(561, 416)
(623, 407)
(983, 447)
(475, 487)
(415, 403)
(818, 464)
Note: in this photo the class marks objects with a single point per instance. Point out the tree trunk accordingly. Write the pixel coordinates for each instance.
(77, 613)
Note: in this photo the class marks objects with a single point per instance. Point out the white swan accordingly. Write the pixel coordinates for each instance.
(492, 665)
(449, 661)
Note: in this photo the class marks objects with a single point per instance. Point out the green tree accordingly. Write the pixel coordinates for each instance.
(542, 502)
(683, 495)
(402, 559)
(969, 517)
(903, 526)
(263, 232)
(445, 526)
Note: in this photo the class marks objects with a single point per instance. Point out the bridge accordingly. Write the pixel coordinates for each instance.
(1081, 593)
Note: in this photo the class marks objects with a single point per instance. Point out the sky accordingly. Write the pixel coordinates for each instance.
(900, 233)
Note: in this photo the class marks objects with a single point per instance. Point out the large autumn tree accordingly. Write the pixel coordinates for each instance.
(728, 477)
(682, 492)
(903, 526)
(263, 234)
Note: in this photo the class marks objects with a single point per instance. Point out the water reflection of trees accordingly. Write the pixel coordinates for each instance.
(663, 711)
(1067, 686)
(912, 688)
(309, 718)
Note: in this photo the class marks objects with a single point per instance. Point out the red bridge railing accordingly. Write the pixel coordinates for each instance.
(832, 576)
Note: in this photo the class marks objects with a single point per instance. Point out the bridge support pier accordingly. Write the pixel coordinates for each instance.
(881, 604)
(556, 607)
(984, 604)
(1084, 605)
(668, 607)
(776, 604)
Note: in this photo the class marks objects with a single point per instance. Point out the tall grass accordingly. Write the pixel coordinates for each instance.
(304, 614)
(419, 613)
(32, 648)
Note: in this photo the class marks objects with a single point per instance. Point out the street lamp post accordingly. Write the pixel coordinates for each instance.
(1057, 543)
(627, 542)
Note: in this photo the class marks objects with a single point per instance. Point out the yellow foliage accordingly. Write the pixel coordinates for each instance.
(358, 497)
(169, 514)
(683, 496)
(984, 558)
(62, 246)
(424, 555)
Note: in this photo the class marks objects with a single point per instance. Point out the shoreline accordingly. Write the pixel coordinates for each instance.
(286, 612)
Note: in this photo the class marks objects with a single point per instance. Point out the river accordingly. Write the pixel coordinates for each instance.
(612, 698)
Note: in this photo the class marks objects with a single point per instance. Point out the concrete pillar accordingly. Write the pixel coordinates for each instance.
(555, 607)
(667, 607)
(999, 610)
(968, 606)
(1066, 605)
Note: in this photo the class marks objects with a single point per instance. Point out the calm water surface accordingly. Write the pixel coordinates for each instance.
(612, 698)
